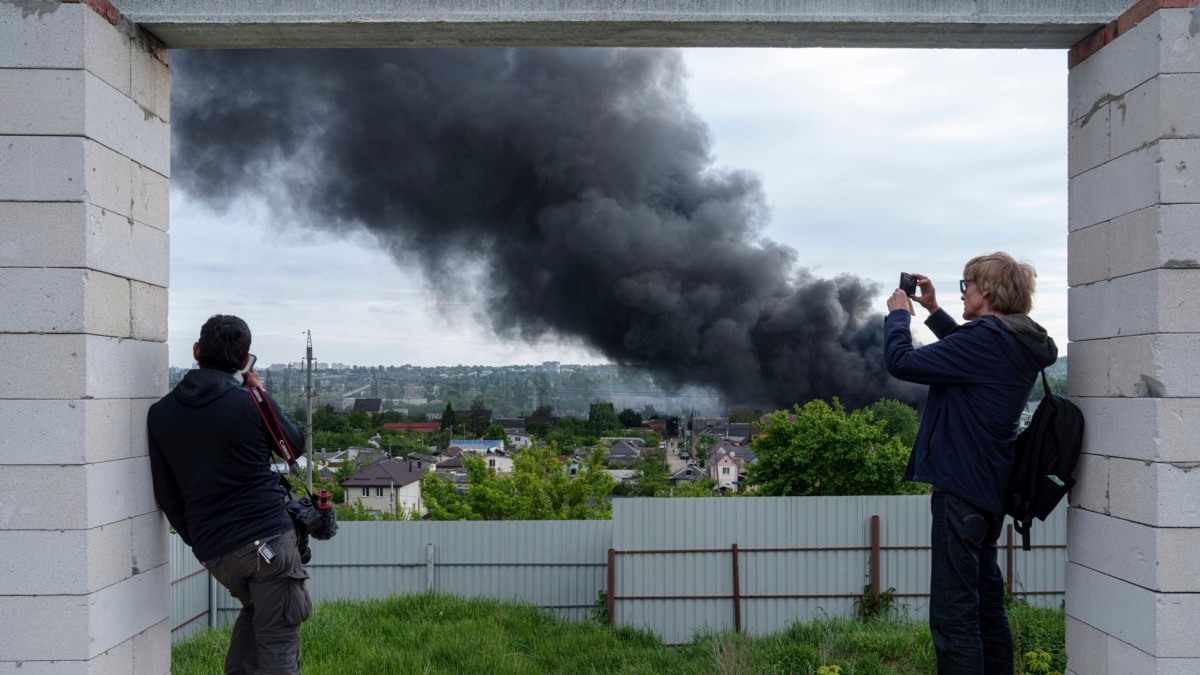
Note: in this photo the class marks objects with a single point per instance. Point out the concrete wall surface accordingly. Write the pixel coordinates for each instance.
(1133, 576)
(652, 23)
(84, 165)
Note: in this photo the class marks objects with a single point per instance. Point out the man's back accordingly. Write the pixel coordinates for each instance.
(211, 464)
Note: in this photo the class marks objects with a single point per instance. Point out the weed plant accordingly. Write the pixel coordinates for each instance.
(445, 634)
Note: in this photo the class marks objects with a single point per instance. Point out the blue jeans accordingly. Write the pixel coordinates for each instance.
(966, 592)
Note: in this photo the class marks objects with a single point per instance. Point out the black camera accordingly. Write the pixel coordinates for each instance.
(908, 283)
(319, 520)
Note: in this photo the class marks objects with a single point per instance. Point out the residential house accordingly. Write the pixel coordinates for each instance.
(498, 461)
(622, 453)
(421, 462)
(389, 486)
(520, 440)
(690, 474)
(727, 466)
(658, 426)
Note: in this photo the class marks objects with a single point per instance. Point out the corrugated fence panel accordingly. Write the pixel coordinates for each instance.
(798, 558)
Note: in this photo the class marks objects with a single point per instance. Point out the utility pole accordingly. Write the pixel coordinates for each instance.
(309, 393)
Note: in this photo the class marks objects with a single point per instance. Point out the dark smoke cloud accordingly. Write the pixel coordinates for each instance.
(581, 180)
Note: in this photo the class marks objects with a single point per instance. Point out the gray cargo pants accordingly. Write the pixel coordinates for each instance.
(266, 635)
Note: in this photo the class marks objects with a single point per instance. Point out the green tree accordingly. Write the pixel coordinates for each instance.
(826, 451)
(653, 480)
(325, 419)
(477, 418)
(897, 418)
(701, 488)
(630, 418)
(495, 432)
(537, 489)
(602, 419)
(449, 419)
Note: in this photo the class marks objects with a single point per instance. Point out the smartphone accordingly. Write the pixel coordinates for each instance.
(250, 364)
(908, 283)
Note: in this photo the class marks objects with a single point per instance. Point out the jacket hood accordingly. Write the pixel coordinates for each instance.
(202, 386)
(1037, 344)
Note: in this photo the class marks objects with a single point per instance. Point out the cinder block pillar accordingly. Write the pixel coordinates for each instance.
(84, 161)
(1133, 571)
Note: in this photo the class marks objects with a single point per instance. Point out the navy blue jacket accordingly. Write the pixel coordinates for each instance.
(210, 458)
(979, 376)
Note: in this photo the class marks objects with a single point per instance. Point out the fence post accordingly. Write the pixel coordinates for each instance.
(1008, 552)
(875, 584)
(737, 594)
(212, 601)
(429, 567)
(610, 598)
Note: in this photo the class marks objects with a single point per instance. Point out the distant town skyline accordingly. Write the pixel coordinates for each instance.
(873, 162)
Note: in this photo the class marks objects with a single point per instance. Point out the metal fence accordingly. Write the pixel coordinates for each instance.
(673, 566)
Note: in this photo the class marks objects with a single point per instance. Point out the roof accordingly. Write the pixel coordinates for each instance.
(623, 449)
(368, 404)
(385, 472)
(422, 427)
(473, 445)
(689, 472)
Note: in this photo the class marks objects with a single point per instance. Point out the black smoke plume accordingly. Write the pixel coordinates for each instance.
(581, 180)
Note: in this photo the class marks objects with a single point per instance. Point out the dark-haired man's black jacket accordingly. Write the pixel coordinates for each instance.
(979, 376)
(211, 463)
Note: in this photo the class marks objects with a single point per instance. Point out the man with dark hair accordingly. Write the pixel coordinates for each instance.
(210, 457)
(979, 376)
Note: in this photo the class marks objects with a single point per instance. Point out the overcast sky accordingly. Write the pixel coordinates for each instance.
(874, 162)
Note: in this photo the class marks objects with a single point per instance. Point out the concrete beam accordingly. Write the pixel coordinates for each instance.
(977, 24)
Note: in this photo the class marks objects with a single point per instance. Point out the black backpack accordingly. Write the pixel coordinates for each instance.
(1043, 462)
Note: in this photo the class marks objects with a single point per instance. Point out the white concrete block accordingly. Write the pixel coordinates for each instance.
(1088, 375)
(1088, 254)
(1123, 185)
(69, 432)
(51, 668)
(120, 124)
(1157, 301)
(128, 608)
(1146, 429)
(51, 37)
(1158, 558)
(151, 83)
(1125, 658)
(63, 300)
(1178, 245)
(44, 498)
(148, 312)
(1089, 140)
(109, 178)
(1162, 365)
(1178, 41)
(77, 366)
(1116, 607)
(68, 562)
(1086, 648)
(1157, 493)
(150, 249)
(139, 445)
(151, 200)
(119, 490)
(106, 52)
(1166, 106)
(41, 102)
(44, 628)
(1179, 170)
(151, 541)
(42, 234)
(1091, 483)
(152, 650)
(43, 169)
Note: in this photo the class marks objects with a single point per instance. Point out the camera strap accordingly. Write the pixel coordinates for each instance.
(278, 438)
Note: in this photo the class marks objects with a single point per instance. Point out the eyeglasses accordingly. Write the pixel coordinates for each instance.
(962, 284)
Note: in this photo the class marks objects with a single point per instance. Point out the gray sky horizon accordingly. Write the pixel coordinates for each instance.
(873, 161)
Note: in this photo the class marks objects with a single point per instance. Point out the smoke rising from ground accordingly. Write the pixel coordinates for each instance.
(580, 181)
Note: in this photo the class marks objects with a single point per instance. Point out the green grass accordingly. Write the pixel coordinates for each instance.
(445, 634)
